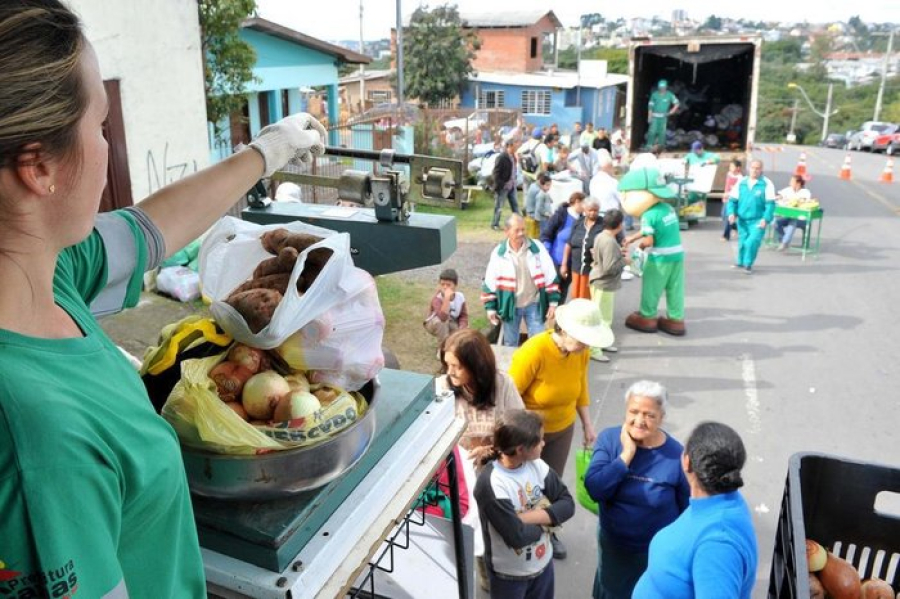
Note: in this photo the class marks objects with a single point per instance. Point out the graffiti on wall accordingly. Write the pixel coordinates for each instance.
(161, 173)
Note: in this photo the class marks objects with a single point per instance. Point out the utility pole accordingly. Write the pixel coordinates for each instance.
(399, 55)
(828, 112)
(362, 67)
(791, 137)
(884, 69)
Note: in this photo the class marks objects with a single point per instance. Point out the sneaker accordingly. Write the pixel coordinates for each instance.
(736, 266)
(627, 276)
(559, 550)
(495, 227)
(748, 271)
(599, 357)
(611, 349)
(782, 247)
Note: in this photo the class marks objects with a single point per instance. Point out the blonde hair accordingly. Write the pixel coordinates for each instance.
(42, 94)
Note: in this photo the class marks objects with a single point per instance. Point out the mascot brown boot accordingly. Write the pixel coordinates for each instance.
(639, 323)
(672, 326)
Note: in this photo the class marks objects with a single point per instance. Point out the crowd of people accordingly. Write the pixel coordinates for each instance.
(549, 287)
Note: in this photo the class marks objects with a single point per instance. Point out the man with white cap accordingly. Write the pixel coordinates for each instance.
(663, 103)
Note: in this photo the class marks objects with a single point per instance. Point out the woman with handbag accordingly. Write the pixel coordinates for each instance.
(635, 475)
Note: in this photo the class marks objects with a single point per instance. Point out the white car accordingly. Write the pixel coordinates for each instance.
(468, 124)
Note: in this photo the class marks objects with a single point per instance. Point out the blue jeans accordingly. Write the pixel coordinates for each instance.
(510, 196)
(785, 227)
(533, 322)
(540, 587)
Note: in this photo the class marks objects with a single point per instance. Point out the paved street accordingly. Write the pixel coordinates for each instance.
(800, 356)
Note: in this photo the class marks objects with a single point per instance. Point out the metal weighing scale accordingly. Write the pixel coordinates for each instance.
(385, 238)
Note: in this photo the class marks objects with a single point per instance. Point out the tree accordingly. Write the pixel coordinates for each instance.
(227, 60)
(712, 23)
(437, 54)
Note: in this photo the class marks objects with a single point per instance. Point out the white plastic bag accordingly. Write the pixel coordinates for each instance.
(342, 346)
(180, 282)
(231, 252)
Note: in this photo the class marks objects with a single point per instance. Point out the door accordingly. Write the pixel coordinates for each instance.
(117, 193)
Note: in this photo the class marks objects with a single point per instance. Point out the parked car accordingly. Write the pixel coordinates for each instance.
(469, 123)
(835, 140)
(893, 146)
(865, 137)
(884, 139)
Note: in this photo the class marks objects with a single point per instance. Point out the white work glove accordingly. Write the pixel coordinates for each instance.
(298, 136)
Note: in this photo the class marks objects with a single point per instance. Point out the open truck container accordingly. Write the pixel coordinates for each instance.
(716, 80)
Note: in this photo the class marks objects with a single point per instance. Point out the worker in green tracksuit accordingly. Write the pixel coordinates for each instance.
(660, 235)
(751, 205)
(662, 104)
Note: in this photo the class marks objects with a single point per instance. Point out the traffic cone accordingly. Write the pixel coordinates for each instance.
(800, 171)
(887, 175)
(845, 169)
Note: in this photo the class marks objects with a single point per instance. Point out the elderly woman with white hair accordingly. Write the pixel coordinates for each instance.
(636, 476)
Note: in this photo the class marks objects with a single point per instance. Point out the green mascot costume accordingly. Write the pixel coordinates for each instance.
(662, 104)
(660, 235)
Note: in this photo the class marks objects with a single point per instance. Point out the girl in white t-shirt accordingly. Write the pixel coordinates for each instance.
(785, 227)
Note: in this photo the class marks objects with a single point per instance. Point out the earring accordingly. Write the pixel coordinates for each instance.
(52, 188)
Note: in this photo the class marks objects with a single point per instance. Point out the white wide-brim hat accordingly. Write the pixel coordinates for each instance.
(580, 319)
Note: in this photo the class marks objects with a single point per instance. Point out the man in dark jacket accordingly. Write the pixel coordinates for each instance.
(505, 176)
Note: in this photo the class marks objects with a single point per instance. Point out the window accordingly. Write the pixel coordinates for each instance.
(536, 102)
(379, 96)
(492, 99)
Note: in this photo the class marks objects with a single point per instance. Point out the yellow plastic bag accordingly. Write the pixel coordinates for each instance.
(203, 420)
(179, 337)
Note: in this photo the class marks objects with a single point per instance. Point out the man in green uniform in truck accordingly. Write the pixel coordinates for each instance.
(662, 104)
(661, 237)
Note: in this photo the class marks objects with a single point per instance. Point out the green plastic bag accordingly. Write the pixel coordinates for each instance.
(582, 461)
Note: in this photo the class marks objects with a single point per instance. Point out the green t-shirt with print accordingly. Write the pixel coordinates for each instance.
(93, 493)
(661, 221)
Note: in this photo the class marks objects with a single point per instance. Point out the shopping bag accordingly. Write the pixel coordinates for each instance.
(582, 461)
(231, 252)
(203, 420)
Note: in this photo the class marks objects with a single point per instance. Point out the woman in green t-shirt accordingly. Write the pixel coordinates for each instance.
(92, 488)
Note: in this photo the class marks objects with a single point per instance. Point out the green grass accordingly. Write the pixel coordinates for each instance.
(404, 304)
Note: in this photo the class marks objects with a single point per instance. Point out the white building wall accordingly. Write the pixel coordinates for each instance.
(153, 48)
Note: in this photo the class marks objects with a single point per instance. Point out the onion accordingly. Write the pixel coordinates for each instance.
(251, 358)
(299, 404)
(297, 381)
(230, 379)
(262, 392)
(815, 556)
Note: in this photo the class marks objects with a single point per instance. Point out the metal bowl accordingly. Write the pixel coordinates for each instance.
(281, 473)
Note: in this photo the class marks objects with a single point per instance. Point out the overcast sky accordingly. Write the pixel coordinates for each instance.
(339, 19)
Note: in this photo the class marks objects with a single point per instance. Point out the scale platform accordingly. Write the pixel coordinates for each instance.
(269, 534)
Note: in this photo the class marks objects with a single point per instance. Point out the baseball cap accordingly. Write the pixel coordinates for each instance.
(646, 179)
(537, 133)
(697, 145)
(581, 320)
(662, 83)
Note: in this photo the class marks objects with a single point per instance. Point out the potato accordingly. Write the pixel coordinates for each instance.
(257, 306)
(282, 263)
(273, 241)
(278, 282)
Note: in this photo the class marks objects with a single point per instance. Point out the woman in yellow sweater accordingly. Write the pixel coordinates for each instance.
(550, 371)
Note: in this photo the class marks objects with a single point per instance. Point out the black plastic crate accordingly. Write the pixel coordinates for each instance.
(832, 500)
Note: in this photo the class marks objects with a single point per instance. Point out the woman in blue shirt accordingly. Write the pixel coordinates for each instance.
(635, 474)
(710, 551)
(555, 234)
